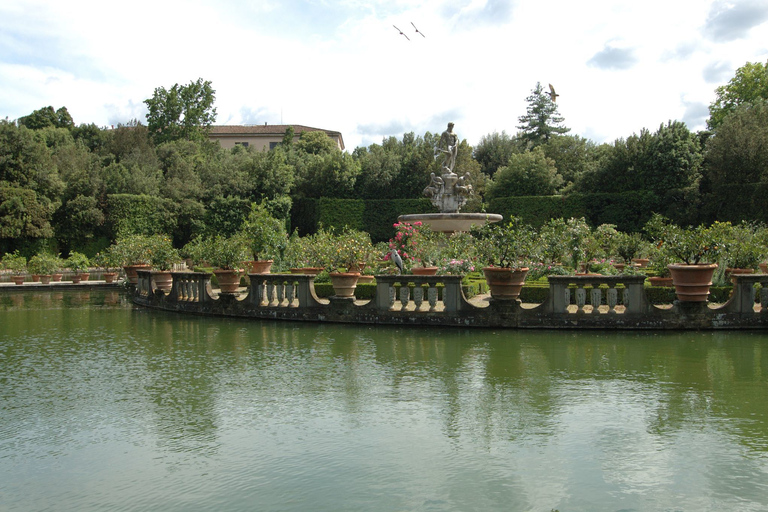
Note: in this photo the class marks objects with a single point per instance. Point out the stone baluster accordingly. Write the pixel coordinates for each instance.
(405, 296)
(418, 296)
(432, 297)
(280, 292)
(596, 298)
(612, 298)
(290, 292)
(581, 297)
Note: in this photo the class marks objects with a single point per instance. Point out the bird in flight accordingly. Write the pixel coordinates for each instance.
(552, 93)
(402, 34)
(417, 30)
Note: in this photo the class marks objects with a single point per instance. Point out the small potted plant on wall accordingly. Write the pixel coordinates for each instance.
(108, 265)
(506, 248)
(266, 238)
(628, 246)
(133, 253)
(78, 264)
(226, 254)
(695, 249)
(17, 264)
(45, 265)
(348, 250)
(163, 256)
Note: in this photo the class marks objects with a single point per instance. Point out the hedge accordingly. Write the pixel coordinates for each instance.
(140, 214)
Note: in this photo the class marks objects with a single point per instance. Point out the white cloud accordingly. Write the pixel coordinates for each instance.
(343, 66)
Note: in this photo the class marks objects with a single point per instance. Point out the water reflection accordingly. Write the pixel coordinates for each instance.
(249, 414)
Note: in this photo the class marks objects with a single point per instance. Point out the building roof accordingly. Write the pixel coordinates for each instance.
(277, 130)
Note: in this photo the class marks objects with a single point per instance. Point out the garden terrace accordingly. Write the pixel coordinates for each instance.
(573, 302)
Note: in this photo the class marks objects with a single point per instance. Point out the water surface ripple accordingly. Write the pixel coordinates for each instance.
(104, 406)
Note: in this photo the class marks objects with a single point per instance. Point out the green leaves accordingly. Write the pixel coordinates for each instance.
(182, 112)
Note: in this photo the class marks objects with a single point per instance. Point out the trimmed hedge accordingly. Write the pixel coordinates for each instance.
(140, 214)
(628, 210)
(373, 216)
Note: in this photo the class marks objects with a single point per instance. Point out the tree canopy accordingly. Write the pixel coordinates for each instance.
(541, 120)
(750, 83)
(181, 112)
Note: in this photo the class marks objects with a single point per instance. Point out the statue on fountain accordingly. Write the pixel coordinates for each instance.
(448, 192)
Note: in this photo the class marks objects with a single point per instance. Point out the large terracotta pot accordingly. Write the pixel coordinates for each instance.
(130, 272)
(763, 268)
(661, 281)
(344, 283)
(109, 277)
(424, 271)
(76, 278)
(312, 271)
(163, 280)
(229, 280)
(259, 267)
(692, 282)
(56, 277)
(18, 279)
(505, 283)
(641, 262)
(84, 276)
(45, 279)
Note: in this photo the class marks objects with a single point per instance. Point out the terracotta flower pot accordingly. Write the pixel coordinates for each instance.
(424, 271)
(163, 280)
(505, 283)
(312, 271)
(641, 262)
(344, 283)
(229, 280)
(19, 280)
(109, 277)
(45, 279)
(84, 276)
(692, 282)
(661, 281)
(259, 267)
(763, 268)
(130, 272)
(76, 278)
(365, 279)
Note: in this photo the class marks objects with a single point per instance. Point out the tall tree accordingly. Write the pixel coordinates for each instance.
(749, 84)
(493, 151)
(542, 120)
(182, 112)
(45, 117)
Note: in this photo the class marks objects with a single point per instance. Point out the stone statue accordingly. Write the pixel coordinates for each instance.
(448, 192)
(449, 146)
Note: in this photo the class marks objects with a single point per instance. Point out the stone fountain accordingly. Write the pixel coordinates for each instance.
(449, 192)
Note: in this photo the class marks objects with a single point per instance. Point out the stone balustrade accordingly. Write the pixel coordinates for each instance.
(591, 302)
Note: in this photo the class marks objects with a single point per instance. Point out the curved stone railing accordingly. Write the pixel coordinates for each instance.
(591, 302)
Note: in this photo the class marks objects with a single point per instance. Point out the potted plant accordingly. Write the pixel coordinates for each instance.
(266, 238)
(506, 249)
(349, 249)
(17, 264)
(307, 254)
(658, 263)
(78, 263)
(226, 254)
(45, 265)
(163, 256)
(744, 253)
(108, 264)
(133, 253)
(695, 249)
(628, 246)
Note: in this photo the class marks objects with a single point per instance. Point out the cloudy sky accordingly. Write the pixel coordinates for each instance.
(619, 66)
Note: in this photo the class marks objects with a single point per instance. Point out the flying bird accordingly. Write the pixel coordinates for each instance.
(552, 93)
(417, 30)
(402, 34)
(396, 259)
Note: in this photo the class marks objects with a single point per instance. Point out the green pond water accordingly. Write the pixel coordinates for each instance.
(106, 406)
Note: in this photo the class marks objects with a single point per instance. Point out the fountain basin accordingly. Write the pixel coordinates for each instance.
(451, 222)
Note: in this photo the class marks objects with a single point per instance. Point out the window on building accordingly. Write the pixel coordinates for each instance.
(244, 144)
(273, 145)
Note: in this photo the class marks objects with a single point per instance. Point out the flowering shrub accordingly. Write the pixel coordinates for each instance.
(77, 262)
(14, 262)
(538, 270)
(457, 267)
(405, 241)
